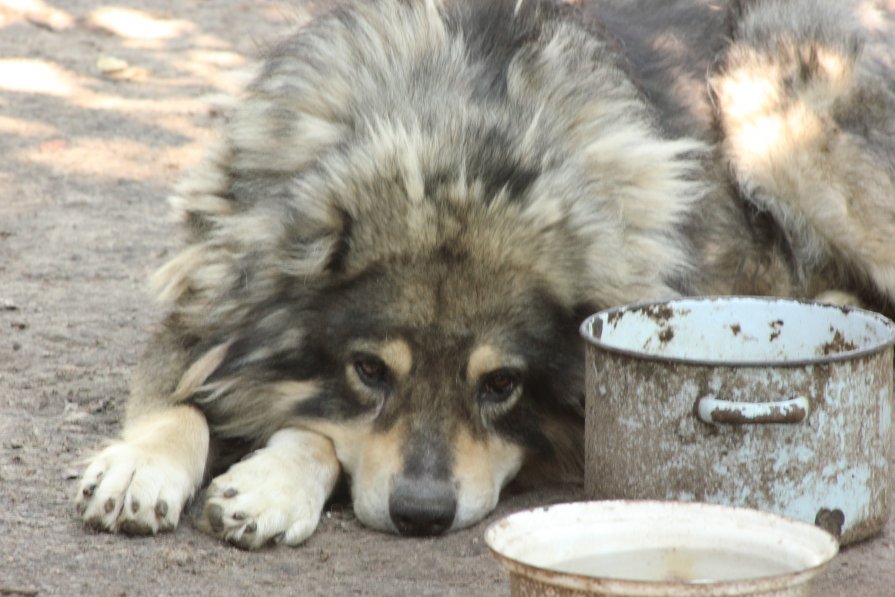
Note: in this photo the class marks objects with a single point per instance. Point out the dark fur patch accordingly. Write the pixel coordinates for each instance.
(553, 378)
(333, 403)
(336, 261)
(491, 43)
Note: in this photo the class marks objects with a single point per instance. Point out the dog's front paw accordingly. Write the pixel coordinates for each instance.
(276, 495)
(140, 484)
(255, 502)
(128, 490)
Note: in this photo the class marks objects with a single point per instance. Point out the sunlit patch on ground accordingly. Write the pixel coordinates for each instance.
(26, 75)
(36, 12)
(133, 24)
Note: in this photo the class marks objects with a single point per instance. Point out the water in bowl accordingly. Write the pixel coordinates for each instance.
(674, 564)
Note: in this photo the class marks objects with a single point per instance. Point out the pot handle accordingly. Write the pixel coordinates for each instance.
(711, 409)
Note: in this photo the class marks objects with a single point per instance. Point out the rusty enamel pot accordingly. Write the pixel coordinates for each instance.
(779, 405)
(658, 549)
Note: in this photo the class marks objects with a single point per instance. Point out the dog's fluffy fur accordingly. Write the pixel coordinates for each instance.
(416, 203)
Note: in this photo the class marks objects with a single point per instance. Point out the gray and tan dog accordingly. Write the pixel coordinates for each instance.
(416, 203)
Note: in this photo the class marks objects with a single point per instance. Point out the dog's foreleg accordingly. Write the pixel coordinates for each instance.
(277, 494)
(140, 483)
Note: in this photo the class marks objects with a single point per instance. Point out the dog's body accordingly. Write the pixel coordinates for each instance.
(416, 203)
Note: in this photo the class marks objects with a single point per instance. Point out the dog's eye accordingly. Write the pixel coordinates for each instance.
(371, 370)
(499, 385)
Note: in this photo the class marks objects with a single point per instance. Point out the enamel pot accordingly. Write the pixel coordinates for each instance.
(778, 405)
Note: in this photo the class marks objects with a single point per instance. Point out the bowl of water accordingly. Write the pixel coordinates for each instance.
(653, 548)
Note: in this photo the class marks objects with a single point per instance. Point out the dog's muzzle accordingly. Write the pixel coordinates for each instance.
(422, 506)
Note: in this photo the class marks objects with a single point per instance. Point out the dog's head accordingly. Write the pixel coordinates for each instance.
(436, 355)
(437, 380)
(399, 238)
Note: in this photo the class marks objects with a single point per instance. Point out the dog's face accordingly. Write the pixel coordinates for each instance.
(439, 379)
(434, 340)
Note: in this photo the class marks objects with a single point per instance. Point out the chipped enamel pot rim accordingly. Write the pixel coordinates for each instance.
(530, 542)
(753, 339)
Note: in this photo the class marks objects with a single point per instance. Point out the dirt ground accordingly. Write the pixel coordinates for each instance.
(102, 105)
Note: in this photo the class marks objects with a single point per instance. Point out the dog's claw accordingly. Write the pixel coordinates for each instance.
(134, 527)
(215, 515)
(230, 492)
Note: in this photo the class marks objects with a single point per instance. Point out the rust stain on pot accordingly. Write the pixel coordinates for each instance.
(837, 344)
(611, 318)
(831, 521)
(736, 329)
(666, 334)
(660, 313)
(776, 331)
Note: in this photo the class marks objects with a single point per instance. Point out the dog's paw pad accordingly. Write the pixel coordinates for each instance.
(126, 490)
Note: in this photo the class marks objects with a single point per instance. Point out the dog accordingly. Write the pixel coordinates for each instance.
(415, 204)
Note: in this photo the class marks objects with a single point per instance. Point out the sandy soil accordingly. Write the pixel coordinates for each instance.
(102, 105)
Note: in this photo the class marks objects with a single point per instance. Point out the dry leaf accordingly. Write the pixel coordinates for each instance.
(108, 65)
(116, 68)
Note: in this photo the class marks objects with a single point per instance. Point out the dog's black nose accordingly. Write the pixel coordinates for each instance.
(422, 507)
